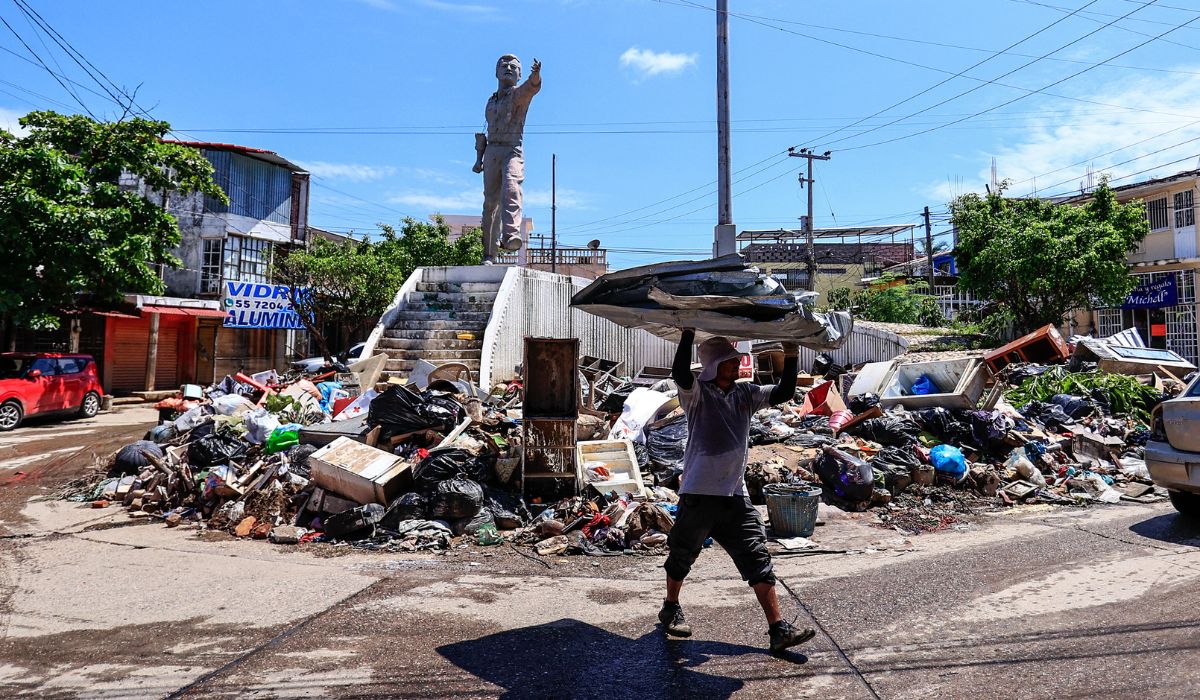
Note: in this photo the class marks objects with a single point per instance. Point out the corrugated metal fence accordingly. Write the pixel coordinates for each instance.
(535, 303)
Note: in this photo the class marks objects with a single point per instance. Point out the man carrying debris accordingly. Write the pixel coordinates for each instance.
(712, 493)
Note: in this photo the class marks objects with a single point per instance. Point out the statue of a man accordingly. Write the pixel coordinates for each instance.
(499, 156)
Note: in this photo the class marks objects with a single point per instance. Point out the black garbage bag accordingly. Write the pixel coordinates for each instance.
(942, 424)
(508, 511)
(615, 401)
(131, 458)
(215, 448)
(410, 506)
(470, 526)
(403, 410)
(161, 433)
(1074, 406)
(824, 366)
(354, 524)
(455, 499)
(666, 444)
(446, 463)
(642, 455)
(229, 385)
(845, 475)
(1049, 415)
(863, 402)
(988, 428)
(1018, 375)
(888, 430)
(297, 456)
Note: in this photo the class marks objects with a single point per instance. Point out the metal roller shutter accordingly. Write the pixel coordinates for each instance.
(166, 368)
(130, 347)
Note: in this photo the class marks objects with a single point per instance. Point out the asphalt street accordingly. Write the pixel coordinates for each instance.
(1034, 603)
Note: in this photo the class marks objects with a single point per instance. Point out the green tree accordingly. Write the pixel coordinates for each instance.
(427, 244)
(1039, 260)
(69, 231)
(893, 300)
(348, 284)
(341, 283)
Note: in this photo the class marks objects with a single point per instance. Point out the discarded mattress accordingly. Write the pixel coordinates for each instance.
(722, 296)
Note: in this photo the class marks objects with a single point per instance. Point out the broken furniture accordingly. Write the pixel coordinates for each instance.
(1043, 346)
(649, 376)
(549, 414)
(360, 472)
(960, 383)
(1118, 359)
(619, 460)
(600, 376)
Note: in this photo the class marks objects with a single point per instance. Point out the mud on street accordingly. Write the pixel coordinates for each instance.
(1044, 601)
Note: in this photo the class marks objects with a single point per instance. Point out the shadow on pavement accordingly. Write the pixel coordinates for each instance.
(572, 659)
(1172, 527)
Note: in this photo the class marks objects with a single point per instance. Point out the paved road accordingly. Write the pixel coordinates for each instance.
(1041, 603)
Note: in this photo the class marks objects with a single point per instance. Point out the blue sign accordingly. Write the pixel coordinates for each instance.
(1153, 295)
(253, 305)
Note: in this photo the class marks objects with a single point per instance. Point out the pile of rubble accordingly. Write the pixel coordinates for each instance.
(430, 461)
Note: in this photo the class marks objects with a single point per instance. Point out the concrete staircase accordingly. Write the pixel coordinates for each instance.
(434, 314)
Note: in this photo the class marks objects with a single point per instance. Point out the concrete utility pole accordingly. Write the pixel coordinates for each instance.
(929, 248)
(554, 212)
(808, 155)
(724, 237)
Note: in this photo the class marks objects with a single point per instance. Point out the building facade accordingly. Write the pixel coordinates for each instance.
(1166, 260)
(586, 262)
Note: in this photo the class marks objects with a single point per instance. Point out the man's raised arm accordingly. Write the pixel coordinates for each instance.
(681, 369)
(785, 390)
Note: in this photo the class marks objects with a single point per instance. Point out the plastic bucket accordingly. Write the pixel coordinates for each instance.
(792, 509)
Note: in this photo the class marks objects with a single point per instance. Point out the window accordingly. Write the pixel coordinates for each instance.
(1185, 214)
(246, 259)
(1156, 212)
(45, 365)
(70, 365)
(210, 266)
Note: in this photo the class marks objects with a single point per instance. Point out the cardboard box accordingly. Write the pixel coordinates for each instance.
(359, 472)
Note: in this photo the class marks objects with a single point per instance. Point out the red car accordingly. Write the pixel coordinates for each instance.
(33, 383)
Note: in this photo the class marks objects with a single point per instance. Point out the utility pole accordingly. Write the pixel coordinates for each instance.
(808, 155)
(929, 248)
(724, 237)
(554, 212)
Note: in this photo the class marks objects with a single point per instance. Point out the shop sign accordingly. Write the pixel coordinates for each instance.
(254, 305)
(1153, 295)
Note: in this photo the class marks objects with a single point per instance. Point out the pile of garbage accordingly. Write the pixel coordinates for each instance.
(420, 463)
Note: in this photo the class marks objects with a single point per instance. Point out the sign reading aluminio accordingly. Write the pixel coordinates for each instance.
(1153, 295)
(253, 305)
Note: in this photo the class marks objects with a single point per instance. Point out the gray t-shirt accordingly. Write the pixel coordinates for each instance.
(714, 463)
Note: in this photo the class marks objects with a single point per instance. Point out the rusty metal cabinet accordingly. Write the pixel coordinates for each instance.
(549, 415)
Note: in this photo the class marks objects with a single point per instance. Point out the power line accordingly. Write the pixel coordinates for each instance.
(47, 68)
(1021, 97)
(1005, 75)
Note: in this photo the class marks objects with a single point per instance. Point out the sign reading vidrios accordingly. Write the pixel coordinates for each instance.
(252, 305)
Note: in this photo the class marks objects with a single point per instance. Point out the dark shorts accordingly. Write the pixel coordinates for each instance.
(733, 522)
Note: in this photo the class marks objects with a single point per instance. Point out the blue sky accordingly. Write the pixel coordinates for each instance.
(379, 98)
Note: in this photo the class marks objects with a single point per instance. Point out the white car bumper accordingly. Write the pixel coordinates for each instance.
(1172, 468)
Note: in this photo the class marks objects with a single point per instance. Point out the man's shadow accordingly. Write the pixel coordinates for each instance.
(572, 659)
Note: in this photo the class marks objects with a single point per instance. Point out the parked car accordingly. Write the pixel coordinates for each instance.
(312, 365)
(36, 383)
(1173, 452)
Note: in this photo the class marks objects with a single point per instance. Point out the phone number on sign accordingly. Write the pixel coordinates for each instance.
(258, 305)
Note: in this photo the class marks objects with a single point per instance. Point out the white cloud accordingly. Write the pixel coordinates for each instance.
(461, 202)
(1058, 146)
(380, 4)
(651, 63)
(8, 122)
(353, 172)
(567, 199)
(462, 8)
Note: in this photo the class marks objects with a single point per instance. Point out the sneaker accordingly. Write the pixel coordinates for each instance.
(784, 635)
(673, 621)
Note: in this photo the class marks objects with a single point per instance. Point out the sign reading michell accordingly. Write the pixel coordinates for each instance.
(1153, 295)
(253, 305)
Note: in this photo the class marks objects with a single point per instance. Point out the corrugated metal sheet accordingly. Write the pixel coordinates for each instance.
(536, 303)
(256, 189)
